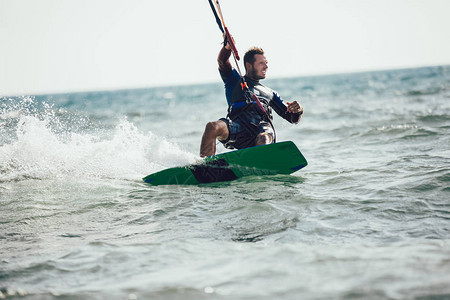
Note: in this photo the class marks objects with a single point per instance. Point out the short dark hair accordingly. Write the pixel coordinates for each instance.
(249, 56)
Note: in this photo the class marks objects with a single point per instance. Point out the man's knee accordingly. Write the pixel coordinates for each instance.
(264, 139)
(211, 127)
(217, 129)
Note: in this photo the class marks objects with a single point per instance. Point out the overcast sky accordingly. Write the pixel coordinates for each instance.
(78, 45)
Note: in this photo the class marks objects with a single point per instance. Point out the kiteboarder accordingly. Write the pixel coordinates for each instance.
(249, 119)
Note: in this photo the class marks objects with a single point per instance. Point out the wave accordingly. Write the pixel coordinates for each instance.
(40, 142)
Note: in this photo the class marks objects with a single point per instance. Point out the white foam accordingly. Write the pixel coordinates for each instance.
(41, 152)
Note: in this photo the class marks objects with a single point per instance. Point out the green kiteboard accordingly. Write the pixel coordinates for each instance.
(278, 158)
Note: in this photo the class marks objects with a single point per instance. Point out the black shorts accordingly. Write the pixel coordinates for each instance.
(242, 132)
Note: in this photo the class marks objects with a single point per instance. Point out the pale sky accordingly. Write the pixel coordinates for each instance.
(79, 45)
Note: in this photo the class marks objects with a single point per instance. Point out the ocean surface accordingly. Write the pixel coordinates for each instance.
(368, 218)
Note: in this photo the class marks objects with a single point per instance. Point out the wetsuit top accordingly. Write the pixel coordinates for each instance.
(236, 98)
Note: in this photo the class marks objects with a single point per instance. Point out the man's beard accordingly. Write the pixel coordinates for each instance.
(255, 74)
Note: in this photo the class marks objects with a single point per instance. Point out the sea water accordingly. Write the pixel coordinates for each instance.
(368, 218)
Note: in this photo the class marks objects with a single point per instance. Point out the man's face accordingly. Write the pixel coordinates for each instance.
(259, 67)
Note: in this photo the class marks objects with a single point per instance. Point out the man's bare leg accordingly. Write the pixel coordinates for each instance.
(263, 138)
(213, 130)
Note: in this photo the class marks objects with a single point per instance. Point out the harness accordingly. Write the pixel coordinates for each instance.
(235, 106)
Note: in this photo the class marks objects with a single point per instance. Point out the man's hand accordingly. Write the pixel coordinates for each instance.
(227, 46)
(294, 107)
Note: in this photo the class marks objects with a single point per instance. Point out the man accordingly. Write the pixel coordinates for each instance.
(246, 124)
